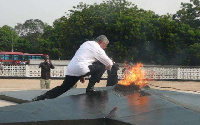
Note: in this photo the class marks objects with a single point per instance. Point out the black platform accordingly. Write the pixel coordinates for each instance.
(109, 106)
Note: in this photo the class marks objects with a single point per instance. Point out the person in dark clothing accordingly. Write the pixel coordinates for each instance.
(90, 59)
(46, 67)
(1, 68)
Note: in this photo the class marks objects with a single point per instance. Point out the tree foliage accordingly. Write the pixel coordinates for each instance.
(189, 14)
(7, 37)
(135, 34)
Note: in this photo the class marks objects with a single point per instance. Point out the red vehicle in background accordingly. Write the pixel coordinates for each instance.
(19, 57)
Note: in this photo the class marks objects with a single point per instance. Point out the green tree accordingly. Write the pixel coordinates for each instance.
(135, 34)
(194, 55)
(8, 37)
(49, 43)
(118, 19)
(32, 26)
(189, 14)
(30, 32)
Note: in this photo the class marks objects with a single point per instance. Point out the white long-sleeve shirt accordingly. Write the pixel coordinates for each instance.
(88, 53)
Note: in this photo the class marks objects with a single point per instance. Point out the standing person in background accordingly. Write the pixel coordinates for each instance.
(46, 67)
(1, 68)
(89, 59)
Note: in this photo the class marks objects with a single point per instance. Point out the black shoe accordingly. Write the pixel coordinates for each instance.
(41, 97)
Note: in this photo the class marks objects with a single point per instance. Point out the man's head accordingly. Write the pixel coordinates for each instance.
(103, 41)
(46, 58)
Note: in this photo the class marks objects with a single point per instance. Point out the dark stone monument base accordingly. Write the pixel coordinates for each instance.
(110, 106)
(100, 121)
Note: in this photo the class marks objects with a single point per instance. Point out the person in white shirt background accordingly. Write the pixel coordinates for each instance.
(89, 59)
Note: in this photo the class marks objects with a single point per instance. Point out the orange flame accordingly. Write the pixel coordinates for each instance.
(133, 75)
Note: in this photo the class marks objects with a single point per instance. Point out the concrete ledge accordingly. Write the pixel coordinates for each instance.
(11, 99)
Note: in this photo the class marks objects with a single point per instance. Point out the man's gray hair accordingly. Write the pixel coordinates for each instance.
(102, 38)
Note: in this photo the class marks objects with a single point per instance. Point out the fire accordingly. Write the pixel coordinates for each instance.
(133, 75)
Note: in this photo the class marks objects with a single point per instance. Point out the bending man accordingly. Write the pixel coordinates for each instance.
(90, 59)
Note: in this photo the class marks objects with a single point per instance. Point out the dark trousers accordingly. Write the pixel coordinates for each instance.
(112, 75)
(96, 71)
(68, 83)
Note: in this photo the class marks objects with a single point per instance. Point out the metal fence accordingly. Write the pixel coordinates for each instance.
(154, 72)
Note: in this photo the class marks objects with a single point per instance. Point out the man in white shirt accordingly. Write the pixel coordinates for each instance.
(90, 59)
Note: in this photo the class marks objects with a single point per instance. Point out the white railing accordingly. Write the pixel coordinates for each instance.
(172, 72)
(30, 71)
(152, 72)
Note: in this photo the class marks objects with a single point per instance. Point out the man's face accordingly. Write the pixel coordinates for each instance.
(46, 59)
(103, 45)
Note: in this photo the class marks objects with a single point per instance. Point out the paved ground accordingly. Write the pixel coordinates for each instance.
(34, 84)
(186, 86)
(5, 103)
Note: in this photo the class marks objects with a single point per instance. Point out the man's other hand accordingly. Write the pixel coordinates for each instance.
(82, 80)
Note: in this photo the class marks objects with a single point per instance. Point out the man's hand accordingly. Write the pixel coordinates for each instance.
(108, 67)
(82, 79)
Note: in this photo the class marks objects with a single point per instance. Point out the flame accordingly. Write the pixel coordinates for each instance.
(133, 75)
